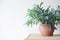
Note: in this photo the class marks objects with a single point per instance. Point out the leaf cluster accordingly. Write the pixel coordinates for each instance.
(46, 16)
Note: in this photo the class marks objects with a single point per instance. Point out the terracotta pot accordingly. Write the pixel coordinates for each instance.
(45, 31)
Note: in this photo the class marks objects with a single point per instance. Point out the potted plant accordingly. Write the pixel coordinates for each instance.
(48, 17)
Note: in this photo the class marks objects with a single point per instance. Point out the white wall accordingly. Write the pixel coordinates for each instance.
(12, 18)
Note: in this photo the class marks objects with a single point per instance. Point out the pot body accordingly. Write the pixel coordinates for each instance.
(44, 30)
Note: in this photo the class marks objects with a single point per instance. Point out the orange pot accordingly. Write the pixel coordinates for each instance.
(45, 31)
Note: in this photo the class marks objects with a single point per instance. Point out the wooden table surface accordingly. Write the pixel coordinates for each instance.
(38, 37)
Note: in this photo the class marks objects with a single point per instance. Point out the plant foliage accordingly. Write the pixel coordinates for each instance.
(46, 16)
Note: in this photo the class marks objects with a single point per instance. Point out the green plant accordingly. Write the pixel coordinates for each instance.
(46, 16)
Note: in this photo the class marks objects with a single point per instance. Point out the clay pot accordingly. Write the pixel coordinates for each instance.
(45, 31)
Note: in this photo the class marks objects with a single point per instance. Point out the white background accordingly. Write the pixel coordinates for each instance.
(12, 18)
